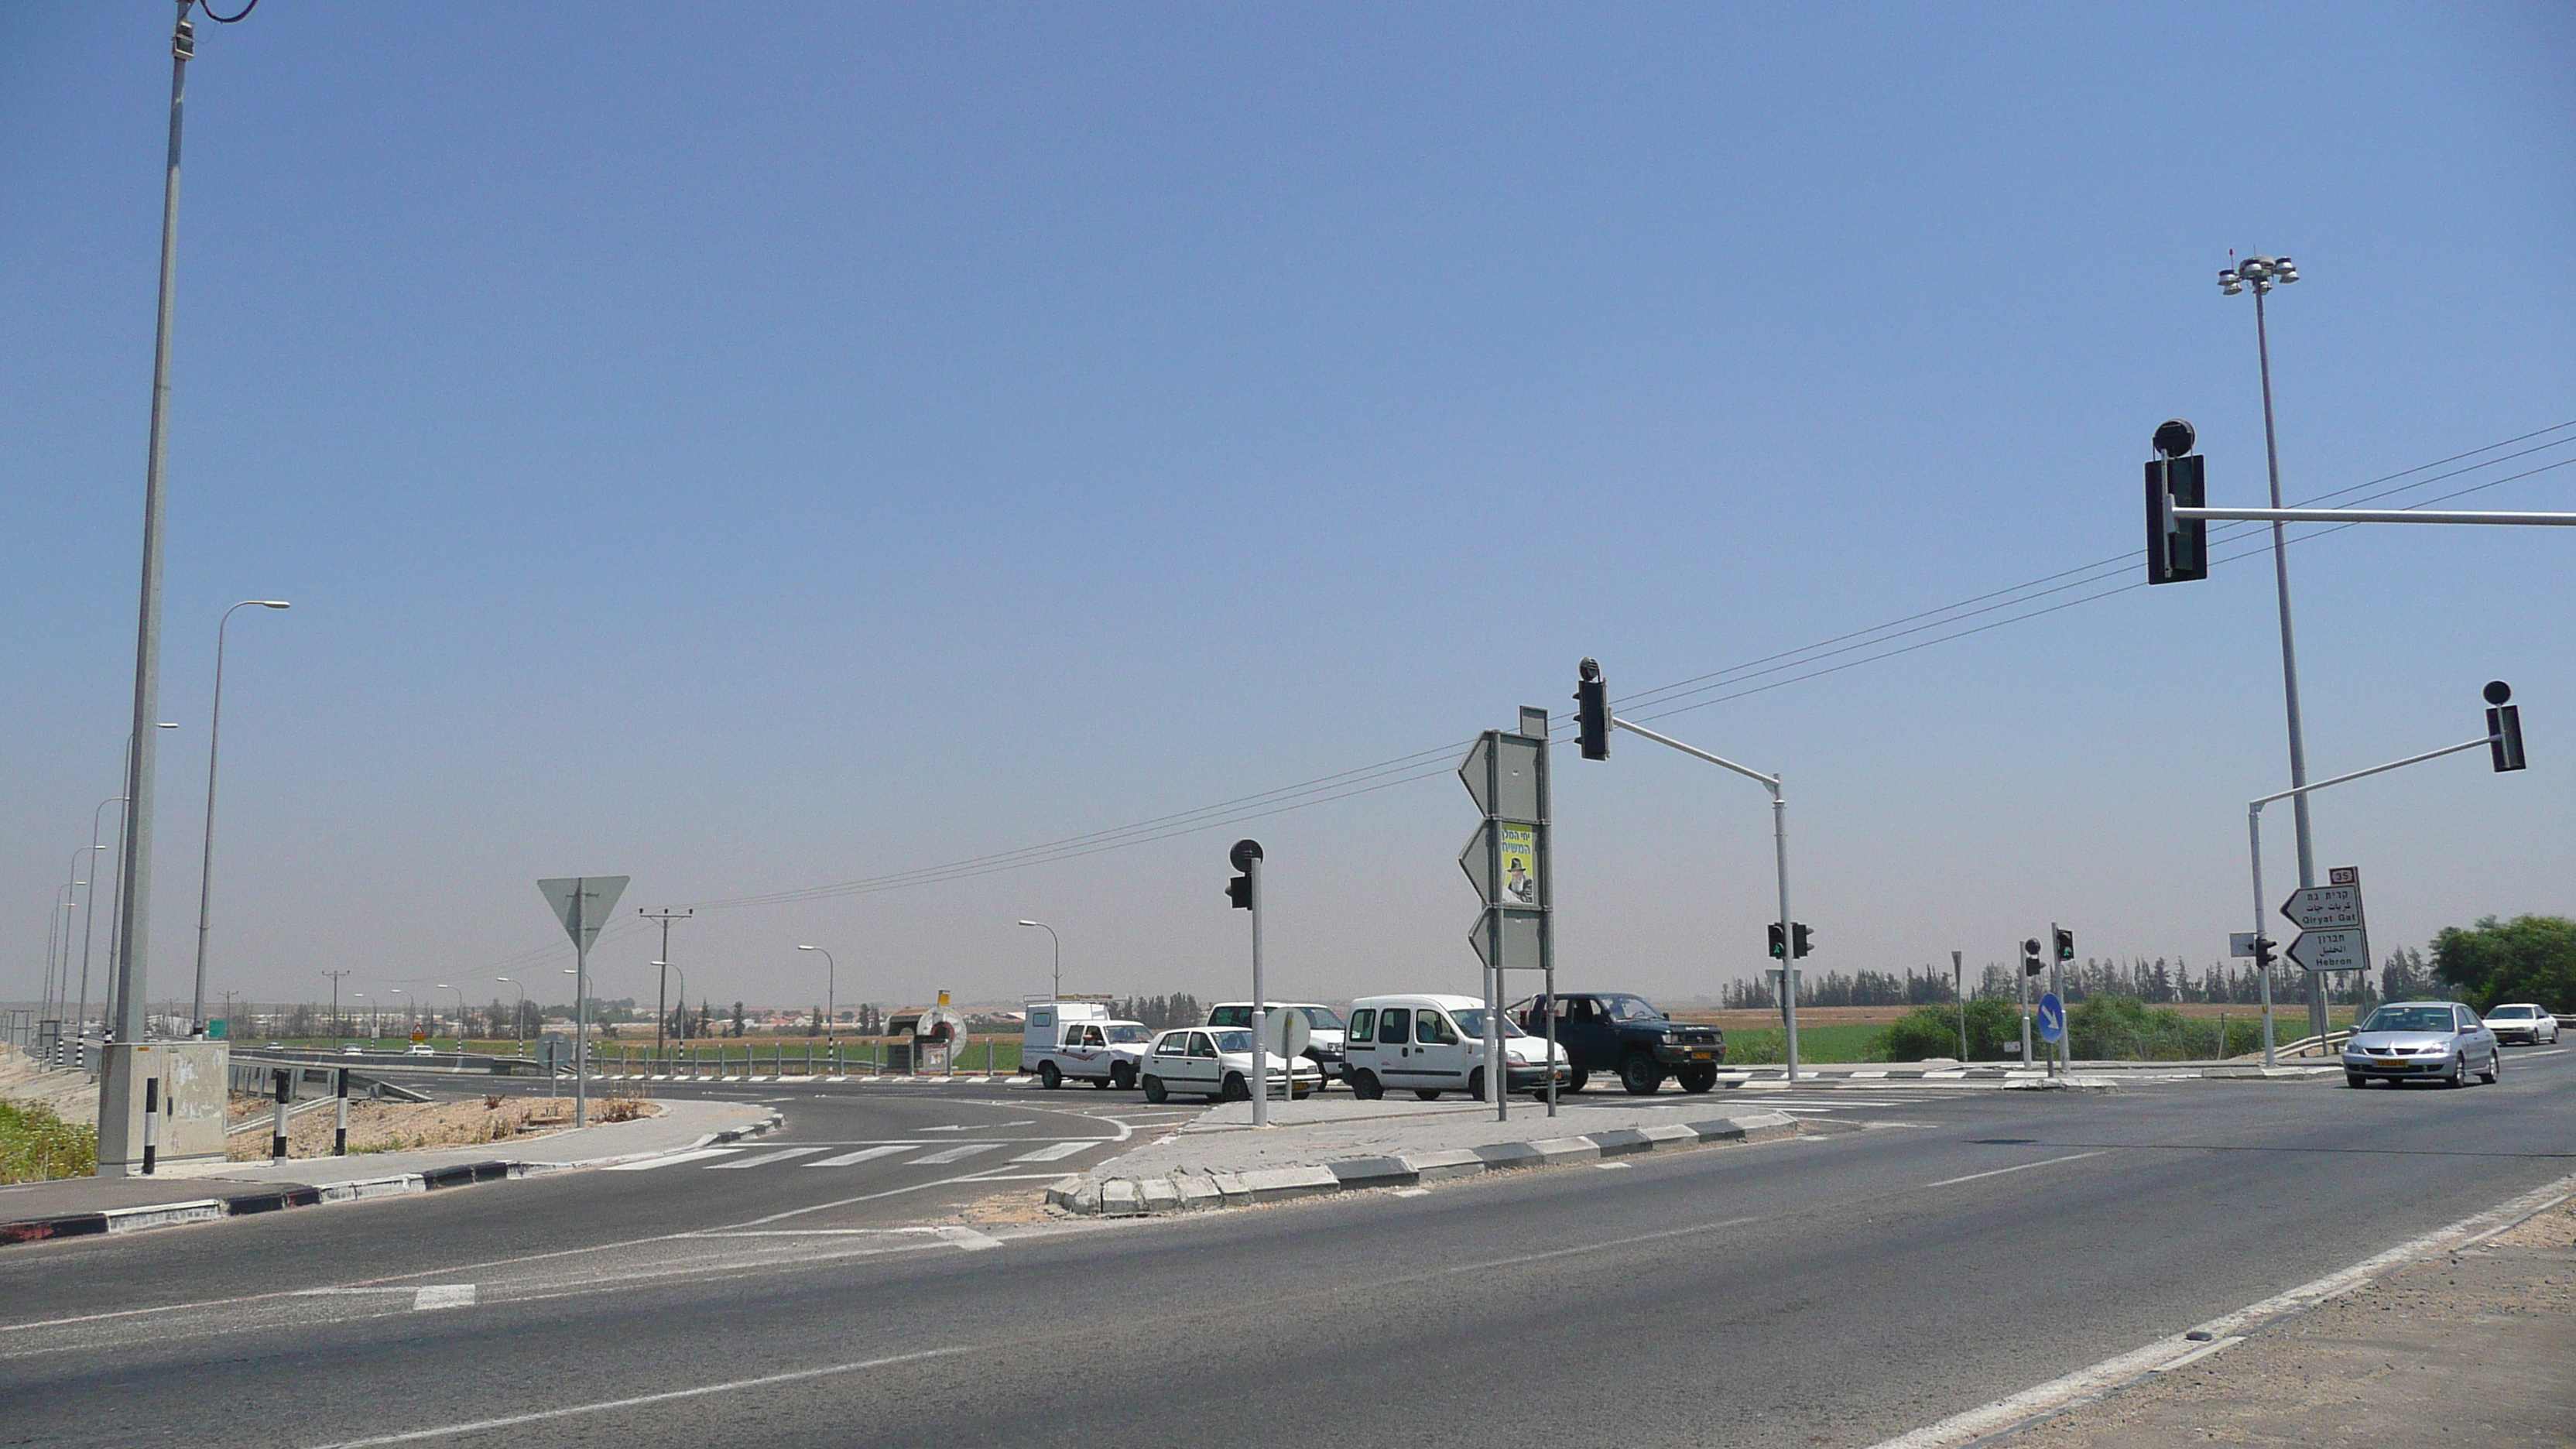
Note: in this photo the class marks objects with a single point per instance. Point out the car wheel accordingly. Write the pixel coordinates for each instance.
(1154, 1089)
(1122, 1076)
(1476, 1085)
(1640, 1075)
(1234, 1090)
(2495, 1068)
(1696, 1079)
(1366, 1087)
(2355, 1079)
(1426, 1094)
(1049, 1077)
(1574, 1080)
(2459, 1076)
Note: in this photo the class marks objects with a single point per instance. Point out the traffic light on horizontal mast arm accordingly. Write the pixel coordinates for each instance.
(1592, 711)
(2504, 727)
(2177, 549)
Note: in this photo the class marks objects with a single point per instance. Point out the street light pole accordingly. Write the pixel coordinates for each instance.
(1059, 956)
(206, 865)
(460, 1013)
(831, 977)
(89, 916)
(336, 1022)
(2263, 274)
(662, 990)
(518, 1017)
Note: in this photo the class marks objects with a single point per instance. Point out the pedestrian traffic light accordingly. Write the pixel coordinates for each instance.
(2031, 965)
(1798, 938)
(1592, 712)
(2504, 727)
(2065, 944)
(1239, 889)
(1779, 948)
(2177, 549)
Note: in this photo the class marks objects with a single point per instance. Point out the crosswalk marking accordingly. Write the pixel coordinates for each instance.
(862, 1155)
(1054, 1151)
(767, 1157)
(954, 1154)
(675, 1159)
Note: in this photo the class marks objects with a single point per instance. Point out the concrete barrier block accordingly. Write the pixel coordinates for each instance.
(1566, 1149)
(1667, 1134)
(1359, 1172)
(162, 1215)
(1159, 1194)
(1435, 1166)
(1119, 1198)
(1231, 1188)
(1198, 1191)
(1503, 1156)
(1275, 1184)
(1621, 1141)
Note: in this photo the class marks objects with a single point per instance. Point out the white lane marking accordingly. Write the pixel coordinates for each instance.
(2553, 1051)
(1986, 1420)
(436, 1296)
(1603, 1247)
(863, 1155)
(540, 1416)
(2000, 1171)
(674, 1160)
(763, 1159)
(2197, 1354)
(980, 1126)
(968, 1239)
(1057, 1151)
(1612, 1166)
(958, 1153)
(1408, 1192)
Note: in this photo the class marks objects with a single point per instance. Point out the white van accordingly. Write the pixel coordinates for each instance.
(1323, 1044)
(1429, 1043)
(1080, 1040)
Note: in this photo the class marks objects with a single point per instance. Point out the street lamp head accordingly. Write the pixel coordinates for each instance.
(807, 948)
(504, 978)
(1028, 923)
(274, 604)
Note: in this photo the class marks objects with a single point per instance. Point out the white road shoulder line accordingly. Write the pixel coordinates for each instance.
(2197, 1354)
(435, 1296)
(478, 1426)
(2000, 1171)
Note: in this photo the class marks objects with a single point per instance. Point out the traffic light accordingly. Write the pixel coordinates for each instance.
(2504, 727)
(2031, 965)
(1779, 948)
(2263, 953)
(1798, 937)
(1239, 889)
(2065, 944)
(1592, 712)
(2177, 549)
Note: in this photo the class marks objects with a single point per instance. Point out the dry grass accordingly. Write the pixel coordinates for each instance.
(404, 1126)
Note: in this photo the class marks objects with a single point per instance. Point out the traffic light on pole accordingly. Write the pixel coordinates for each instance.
(1592, 712)
(1239, 889)
(2065, 944)
(2504, 727)
(1779, 947)
(1798, 938)
(2031, 965)
(2177, 549)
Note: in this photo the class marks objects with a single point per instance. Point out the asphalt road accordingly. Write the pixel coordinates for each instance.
(1825, 1291)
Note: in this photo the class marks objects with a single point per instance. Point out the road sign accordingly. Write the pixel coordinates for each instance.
(2344, 875)
(1512, 792)
(1520, 940)
(1517, 869)
(596, 895)
(2324, 908)
(2240, 943)
(1285, 1031)
(2332, 950)
(2052, 1017)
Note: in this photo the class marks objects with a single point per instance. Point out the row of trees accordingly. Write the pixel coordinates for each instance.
(2404, 976)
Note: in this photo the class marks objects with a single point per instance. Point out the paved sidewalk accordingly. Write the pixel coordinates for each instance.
(1339, 1144)
(203, 1192)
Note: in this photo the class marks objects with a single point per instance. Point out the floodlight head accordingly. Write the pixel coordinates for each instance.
(2174, 437)
(1589, 671)
(2227, 281)
(2498, 691)
(275, 604)
(2284, 270)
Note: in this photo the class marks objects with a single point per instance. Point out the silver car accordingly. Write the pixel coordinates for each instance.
(2432, 1041)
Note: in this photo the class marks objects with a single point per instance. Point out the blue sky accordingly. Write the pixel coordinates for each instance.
(758, 451)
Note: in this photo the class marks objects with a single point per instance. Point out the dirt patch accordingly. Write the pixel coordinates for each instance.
(401, 1126)
(1004, 1209)
(2470, 1347)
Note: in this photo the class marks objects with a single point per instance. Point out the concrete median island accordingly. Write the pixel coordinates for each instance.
(1338, 1145)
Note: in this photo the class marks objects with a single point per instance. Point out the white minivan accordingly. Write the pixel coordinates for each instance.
(1430, 1043)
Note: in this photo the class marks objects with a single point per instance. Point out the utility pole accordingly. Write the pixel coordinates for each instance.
(1959, 989)
(335, 1000)
(662, 966)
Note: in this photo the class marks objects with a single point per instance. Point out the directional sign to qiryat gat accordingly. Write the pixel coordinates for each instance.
(2333, 936)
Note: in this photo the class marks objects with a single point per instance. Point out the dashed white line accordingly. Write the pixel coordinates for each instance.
(2000, 1171)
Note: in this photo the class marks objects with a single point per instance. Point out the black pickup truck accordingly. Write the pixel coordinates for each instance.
(1616, 1032)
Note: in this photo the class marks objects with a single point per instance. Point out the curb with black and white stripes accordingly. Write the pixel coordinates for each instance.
(278, 1199)
(1087, 1195)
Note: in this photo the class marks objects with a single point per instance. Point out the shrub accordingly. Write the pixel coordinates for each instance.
(37, 1146)
(1933, 1031)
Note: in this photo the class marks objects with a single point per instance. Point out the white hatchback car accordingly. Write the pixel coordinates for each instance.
(2523, 1022)
(1216, 1062)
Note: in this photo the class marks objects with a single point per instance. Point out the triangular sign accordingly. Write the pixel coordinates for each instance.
(582, 903)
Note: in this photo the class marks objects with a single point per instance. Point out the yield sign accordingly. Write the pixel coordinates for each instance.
(582, 903)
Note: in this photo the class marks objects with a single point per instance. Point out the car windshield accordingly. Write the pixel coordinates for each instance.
(2409, 1018)
(1322, 1018)
(2510, 1013)
(1471, 1024)
(1232, 1041)
(1128, 1033)
(1230, 1016)
(1630, 1008)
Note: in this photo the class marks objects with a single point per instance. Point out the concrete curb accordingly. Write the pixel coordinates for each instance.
(364, 1189)
(1087, 1195)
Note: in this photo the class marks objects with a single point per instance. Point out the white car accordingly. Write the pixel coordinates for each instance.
(353, 1051)
(421, 1049)
(1323, 1043)
(1216, 1062)
(1432, 1043)
(2523, 1022)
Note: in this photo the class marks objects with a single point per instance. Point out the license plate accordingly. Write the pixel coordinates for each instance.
(2386, 1062)
(1703, 1056)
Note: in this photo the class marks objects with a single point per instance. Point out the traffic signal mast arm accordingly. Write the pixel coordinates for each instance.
(2363, 515)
